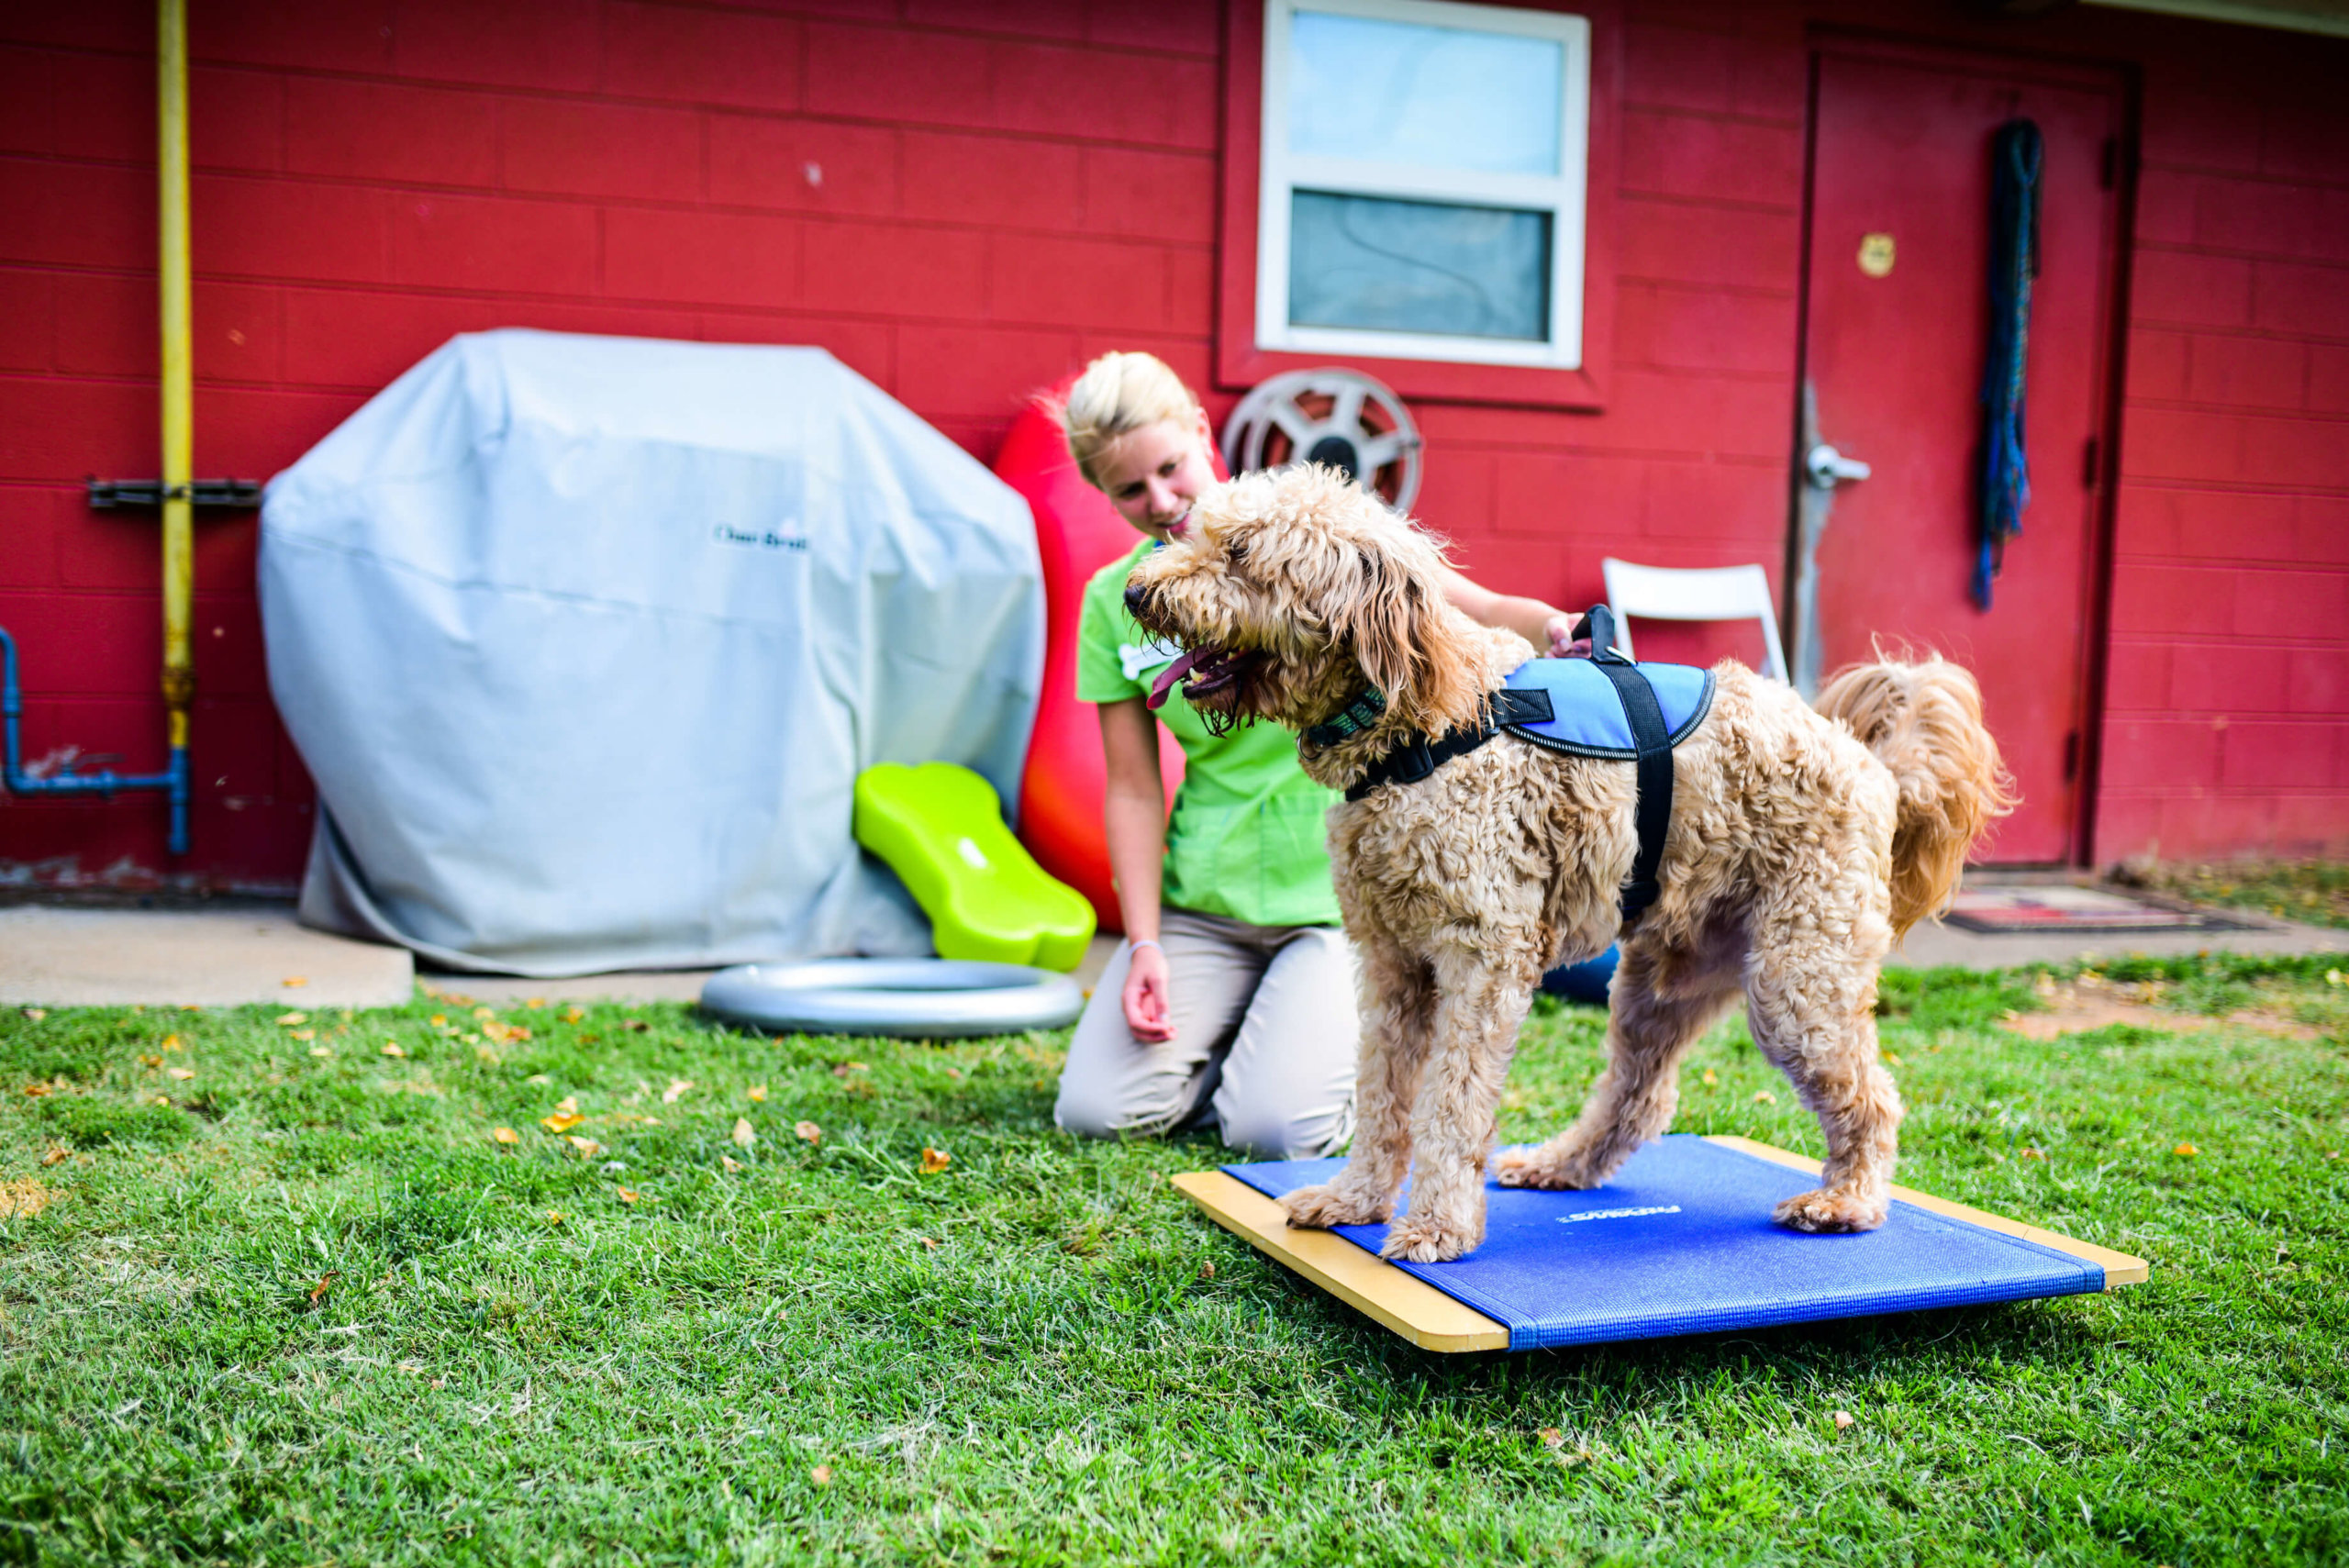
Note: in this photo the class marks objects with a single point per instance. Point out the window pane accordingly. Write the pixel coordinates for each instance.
(1467, 272)
(1434, 97)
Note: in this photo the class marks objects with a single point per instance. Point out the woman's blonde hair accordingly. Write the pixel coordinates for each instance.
(1117, 395)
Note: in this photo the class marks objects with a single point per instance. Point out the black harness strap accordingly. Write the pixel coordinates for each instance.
(1418, 757)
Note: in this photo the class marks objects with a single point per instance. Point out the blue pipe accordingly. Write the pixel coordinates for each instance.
(105, 783)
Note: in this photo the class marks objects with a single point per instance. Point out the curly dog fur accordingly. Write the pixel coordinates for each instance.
(1803, 844)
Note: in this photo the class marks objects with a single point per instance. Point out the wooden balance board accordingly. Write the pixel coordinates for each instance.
(1680, 1242)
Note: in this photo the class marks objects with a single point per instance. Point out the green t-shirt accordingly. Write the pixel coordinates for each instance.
(1247, 839)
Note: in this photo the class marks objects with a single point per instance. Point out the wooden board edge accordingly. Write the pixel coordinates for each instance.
(1370, 1285)
(2119, 1268)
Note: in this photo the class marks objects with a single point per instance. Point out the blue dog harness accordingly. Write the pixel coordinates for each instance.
(1605, 705)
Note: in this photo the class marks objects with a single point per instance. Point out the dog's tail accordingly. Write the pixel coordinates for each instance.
(1924, 720)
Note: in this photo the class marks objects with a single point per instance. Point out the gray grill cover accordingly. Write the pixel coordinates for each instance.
(585, 640)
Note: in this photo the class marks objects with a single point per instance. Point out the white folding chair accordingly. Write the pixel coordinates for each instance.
(1715, 593)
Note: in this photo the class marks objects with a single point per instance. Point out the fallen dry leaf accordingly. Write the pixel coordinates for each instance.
(675, 1091)
(1711, 1078)
(182, 1074)
(626, 1196)
(2030, 1154)
(440, 1020)
(37, 1090)
(554, 1217)
(759, 1092)
(294, 981)
(934, 1160)
(730, 1162)
(537, 1078)
(743, 1133)
(1206, 1270)
(36, 1014)
(821, 1475)
(147, 1061)
(392, 1048)
(534, 1002)
(504, 1135)
(504, 1034)
(808, 1130)
(1552, 1438)
(484, 1012)
(639, 1024)
(57, 1153)
(568, 1103)
(305, 1034)
(1764, 1097)
(1893, 1057)
(23, 1198)
(321, 1052)
(290, 1019)
(318, 1291)
(588, 1148)
(2188, 1149)
(562, 1121)
(573, 1015)
(1842, 1419)
(171, 1042)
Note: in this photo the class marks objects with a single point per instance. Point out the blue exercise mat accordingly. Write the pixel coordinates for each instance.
(1681, 1242)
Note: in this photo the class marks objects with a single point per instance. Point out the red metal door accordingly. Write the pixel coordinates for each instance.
(1896, 320)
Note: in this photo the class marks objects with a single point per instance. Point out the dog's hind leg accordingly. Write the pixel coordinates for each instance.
(1399, 999)
(1811, 1002)
(1482, 995)
(1649, 1030)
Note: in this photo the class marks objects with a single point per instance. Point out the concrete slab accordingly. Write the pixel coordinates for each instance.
(1933, 944)
(213, 958)
(657, 984)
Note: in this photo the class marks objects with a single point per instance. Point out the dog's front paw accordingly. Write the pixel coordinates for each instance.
(1831, 1209)
(1546, 1168)
(1321, 1207)
(1419, 1238)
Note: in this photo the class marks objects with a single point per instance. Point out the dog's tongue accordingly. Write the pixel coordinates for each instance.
(1167, 677)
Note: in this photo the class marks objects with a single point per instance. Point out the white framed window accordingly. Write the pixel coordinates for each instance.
(1423, 187)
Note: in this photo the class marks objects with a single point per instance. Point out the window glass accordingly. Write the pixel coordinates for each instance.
(1430, 98)
(1429, 267)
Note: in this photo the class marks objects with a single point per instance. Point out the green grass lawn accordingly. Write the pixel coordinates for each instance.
(2316, 892)
(271, 1296)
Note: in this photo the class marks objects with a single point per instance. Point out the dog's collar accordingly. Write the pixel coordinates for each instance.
(1359, 715)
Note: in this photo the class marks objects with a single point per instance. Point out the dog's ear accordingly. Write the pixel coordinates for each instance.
(1385, 626)
(1410, 644)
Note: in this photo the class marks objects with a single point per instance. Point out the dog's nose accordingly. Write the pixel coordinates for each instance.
(1134, 597)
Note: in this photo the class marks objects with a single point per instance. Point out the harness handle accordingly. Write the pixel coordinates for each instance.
(1599, 625)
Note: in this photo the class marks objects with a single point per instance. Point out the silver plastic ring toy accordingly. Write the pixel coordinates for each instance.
(922, 999)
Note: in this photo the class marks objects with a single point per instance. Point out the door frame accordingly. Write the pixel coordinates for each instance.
(2109, 375)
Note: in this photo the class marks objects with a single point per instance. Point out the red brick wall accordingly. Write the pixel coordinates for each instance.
(964, 198)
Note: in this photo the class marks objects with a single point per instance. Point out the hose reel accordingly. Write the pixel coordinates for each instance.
(1340, 417)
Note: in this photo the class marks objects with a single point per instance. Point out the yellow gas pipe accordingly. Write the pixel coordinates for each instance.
(179, 416)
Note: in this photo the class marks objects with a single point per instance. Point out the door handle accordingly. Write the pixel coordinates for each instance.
(1827, 468)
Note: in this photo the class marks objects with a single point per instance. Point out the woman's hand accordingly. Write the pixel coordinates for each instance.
(1559, 628)
(1147, 1012)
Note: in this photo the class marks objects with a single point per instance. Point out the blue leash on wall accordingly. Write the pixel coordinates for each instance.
(2017, 157)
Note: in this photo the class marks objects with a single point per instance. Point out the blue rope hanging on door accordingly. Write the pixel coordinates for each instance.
(2017, 155)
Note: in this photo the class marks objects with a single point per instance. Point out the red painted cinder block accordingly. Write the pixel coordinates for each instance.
(350, 35)
(611, 321)
(55, 430)
(701, 57)
(289, 228)
(116, 551)
(868, 348)
(2165, 205)
(107, 324)
(2137, 677)
(1190, 295)
(2157, 365)
(2297, 219)
(2312, 824)
(26, 123)
(982, 372)
(1028, 18)
(2193, 121)
(2292, 299)
(893, 73)
(1087, 282)
(2323, 530)
(1514, 563)
(600, 149)
(123, 28)
(2251, 372)
(1456, 495)
(2161, 753)
(1179, 26)
(485, 243)
(937, 275)
(1676, 154)
(1001, 182)
(2233, 678)
(238, 332)
(31, 517)
(803, 166)
(2319, 681)
(81, 644)
(383, 130)
(2291, 604)
(2328, 387)
(1678, 67)
(2265, 754)
(1159, 196)
(516, 43)
(1704, 329)
(2126, 825)
(1689, 242)
(2188, 289)
(2151, 598)
(707, 257)
(1099, 94)
(106, 106)
(227, 553)
(2224, 822)
(79, 215)
(29, 323)
(2310, 452)
(1585, 497)
(1675, 413)
(235, 120)
(2168, 443)
(224, 637)
(363, 338)
(254, 431)
(2209, 525)
(1716, 501)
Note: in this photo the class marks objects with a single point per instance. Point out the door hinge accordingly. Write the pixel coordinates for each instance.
(2089, 465)
(2071, 756)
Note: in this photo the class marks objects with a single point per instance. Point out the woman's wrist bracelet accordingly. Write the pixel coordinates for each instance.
(1145, 943)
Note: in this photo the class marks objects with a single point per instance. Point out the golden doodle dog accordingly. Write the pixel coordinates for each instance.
(1802, 843)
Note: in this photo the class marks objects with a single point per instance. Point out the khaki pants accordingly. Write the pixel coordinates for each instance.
(1265, 1037)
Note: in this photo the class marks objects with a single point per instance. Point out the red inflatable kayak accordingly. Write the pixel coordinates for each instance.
(1077, 533)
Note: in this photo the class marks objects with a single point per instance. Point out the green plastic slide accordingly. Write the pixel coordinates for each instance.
(941, 828)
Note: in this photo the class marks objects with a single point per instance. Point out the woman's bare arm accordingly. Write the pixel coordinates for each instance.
(1550, 630)
(1133, 816)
